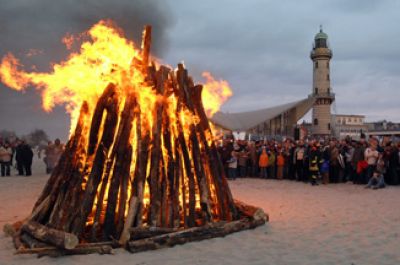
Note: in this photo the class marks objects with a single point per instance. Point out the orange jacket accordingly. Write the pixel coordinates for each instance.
(280, 160)
(263, 162)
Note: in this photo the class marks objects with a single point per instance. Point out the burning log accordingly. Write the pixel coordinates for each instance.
(141, 169)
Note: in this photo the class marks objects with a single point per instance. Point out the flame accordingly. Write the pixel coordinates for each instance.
(214, 94)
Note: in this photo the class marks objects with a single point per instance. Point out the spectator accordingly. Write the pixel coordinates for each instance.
(5, 159)
(24, 156)
(377, 181)
(280, 163)
(263, 163)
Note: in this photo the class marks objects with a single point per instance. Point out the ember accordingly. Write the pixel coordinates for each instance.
(141, 169)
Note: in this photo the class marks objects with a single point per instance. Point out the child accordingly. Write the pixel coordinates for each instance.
(377, 181)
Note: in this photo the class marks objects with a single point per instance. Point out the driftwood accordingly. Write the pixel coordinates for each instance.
(51, 236)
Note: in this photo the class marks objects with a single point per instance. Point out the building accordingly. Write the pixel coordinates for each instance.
(383, 128)
(321, 55)
(348, 126)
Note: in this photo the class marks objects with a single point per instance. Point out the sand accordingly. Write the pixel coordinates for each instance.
(329, 224)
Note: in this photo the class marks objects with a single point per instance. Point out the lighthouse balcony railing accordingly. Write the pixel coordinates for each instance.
(322, 95)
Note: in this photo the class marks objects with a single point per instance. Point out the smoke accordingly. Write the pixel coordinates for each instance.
(33, 30)
(39, 25)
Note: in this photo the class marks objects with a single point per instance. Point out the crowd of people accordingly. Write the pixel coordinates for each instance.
(22, 153)
(365, 161)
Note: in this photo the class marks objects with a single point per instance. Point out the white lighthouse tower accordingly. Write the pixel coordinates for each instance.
(321, 55)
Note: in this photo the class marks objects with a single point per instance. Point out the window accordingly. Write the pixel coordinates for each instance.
(329, 90)
(329, 126)
(327, 77)
(316, 64)
(315, 121)
(316, 90)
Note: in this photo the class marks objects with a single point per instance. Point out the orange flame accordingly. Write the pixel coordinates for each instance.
(215, 93)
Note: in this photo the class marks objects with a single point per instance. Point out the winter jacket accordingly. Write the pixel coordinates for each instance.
(263, 161)
(5, 154)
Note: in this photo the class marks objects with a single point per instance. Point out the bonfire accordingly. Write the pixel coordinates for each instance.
(141, 169)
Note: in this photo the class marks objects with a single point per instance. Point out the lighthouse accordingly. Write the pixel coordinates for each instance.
(321, 55)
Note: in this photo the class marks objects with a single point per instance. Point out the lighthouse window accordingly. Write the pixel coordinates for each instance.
(327, 77)
(329, 126)
(316, 90)
(315, 121)
(316, 64)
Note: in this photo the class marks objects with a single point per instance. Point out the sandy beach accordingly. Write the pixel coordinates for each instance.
(326, 224)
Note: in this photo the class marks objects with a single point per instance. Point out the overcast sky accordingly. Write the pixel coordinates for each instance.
(260, 47)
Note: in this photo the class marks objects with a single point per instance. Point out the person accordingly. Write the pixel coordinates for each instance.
(48, 152)
(271, 163)
(280, 163)
(232, 166)
(242, 161)
(325, 164)
(263, 163)
(253, 159)
(314, 162)
(334, 166)
(53, 154)
(24, 156)
(371, 156)
(299, 156)
(377, 181)
(5, 159)
(357, 162)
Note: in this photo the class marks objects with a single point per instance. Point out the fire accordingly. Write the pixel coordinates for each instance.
(112, 72)
(215, 93)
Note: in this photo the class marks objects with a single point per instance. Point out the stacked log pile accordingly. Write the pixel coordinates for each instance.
(161, 187)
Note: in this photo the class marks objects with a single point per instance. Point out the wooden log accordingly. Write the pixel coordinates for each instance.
(98, 165)
(251, 211)
(97, 117)
(217, 169)
(56, 252)
(125, 234)
(146, 44)
(138, 180)
(137, 233)
(176, 184)
(218, 229)
(51, 236)
(140, 175)
(156, 151)
(123, 197)
(32, 242)
(122, 151)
